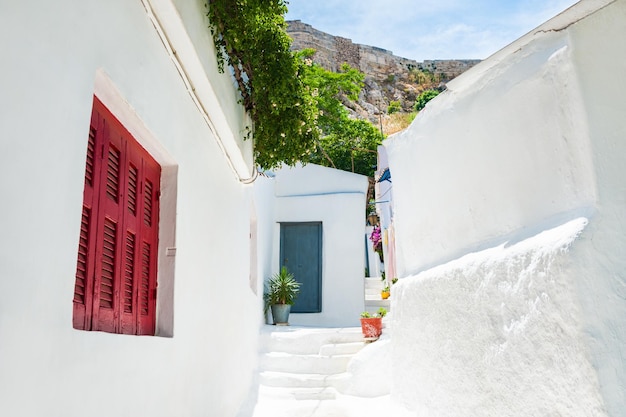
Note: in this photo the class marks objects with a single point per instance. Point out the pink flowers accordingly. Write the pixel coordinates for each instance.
(377, 241)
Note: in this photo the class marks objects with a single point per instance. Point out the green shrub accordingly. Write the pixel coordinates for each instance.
(394, 107)
(424, 98)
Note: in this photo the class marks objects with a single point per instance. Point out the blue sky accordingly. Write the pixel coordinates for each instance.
(428, 29)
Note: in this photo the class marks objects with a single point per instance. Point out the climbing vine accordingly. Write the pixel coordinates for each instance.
(297, 106)
(251, 38)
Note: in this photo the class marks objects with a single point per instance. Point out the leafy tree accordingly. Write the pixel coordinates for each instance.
(345, 143)
(424, 98)
(351, 148)
(295, 105)
(326, 89)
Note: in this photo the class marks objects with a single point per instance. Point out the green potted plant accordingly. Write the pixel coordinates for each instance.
(281, 292)
(385, 293)
(372, 324)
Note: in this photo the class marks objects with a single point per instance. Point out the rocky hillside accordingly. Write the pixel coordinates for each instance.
(388, 78)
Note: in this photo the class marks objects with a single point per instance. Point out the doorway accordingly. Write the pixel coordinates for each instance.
(301, 253)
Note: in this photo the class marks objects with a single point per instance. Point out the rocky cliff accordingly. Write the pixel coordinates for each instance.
(387, 77)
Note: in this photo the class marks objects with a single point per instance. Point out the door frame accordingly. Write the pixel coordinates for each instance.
(320, 237)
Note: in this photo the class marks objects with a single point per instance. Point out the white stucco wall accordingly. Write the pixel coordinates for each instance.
(498, 332)
(528, 140)
(337, 199)
(601, 275)
(51, 54)
(489, 133)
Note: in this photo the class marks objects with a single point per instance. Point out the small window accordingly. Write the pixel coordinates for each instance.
(116, 271)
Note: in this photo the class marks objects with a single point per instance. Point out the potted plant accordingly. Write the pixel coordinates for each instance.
(281, 292)
(385, 293)
(372, 325)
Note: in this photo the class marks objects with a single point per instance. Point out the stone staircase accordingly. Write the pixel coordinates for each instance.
(301, 367)
(303, 370)
(373, 300)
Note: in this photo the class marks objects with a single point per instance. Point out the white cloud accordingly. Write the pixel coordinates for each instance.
(428, 29)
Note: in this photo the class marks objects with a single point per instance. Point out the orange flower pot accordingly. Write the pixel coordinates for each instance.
(372, 327)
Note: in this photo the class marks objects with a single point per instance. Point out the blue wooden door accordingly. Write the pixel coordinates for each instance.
(301, 253)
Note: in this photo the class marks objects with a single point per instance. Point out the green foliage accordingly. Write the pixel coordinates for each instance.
(351, 147)
(394, 107)
(281, 288)
(326, 88)
(250, 37)
(424, 98)
(345, 143)
(295, 105)
(382, 312)
(423, 76)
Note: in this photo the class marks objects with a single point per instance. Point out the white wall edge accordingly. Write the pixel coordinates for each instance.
(179, 46)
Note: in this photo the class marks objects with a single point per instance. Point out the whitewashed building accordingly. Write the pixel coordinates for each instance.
(97, 84)
(134, 245)
(316, 229)
(509, 210)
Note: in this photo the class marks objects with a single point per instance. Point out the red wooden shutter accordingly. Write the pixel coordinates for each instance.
(83, 288)
(149, 244)
(109, 233)
(116, 273)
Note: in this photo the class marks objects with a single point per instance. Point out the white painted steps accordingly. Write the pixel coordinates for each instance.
(295, 381)
(373, 299)
(303, 374)
(306, 340)
(301, 364)
(343, 348)
(299, 394)
(303, 371)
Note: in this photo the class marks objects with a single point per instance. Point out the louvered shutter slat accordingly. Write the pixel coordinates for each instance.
(129, 273)
(83, 254)
(108, 264)
(113, 174)
(144, 288)
(147, 207)
(132, 190)
(91, 150)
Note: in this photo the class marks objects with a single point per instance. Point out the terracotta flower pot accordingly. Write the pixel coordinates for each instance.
(372, 327)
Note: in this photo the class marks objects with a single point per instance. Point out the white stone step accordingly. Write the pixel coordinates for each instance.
(376, 296)
(374, 283)
(341, 348)
(378, 303)
(301, 394)
(291, 380)
(305, 340)
(373, 291)
(315, 394)
(304, 364)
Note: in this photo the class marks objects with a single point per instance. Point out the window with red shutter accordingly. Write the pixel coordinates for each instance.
(115, 289)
